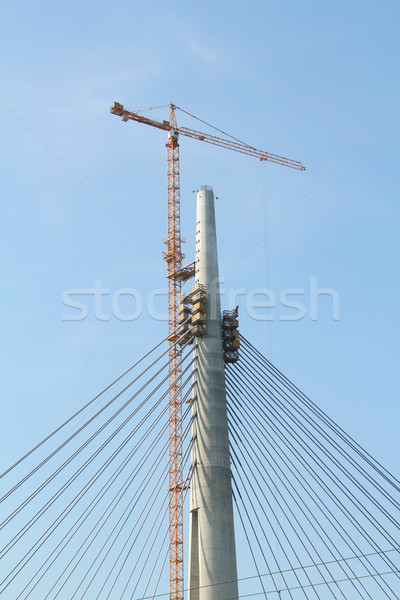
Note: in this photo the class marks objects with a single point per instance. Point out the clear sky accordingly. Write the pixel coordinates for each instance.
(314, 81)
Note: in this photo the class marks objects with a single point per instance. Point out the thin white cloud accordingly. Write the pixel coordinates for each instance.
(202, 50)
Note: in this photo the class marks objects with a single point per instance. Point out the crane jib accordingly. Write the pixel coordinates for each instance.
(126, 115)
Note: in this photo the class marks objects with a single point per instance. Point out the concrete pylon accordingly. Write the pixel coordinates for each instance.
(212, 553)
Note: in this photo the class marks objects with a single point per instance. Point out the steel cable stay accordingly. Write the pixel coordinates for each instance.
(326, 436)
(242, 471)
(335, 445)
(261, 447)
(80, 429)
(287, 443)
(263, 470)
(247, 537)
(116, 499)
(319, 583)
(37, 446)
(185, 396)
(94, 435)
(185, 457)
(61, 516)
(326, 509)
(83, 408)
(243, 387)
(104, 516)
(118, 533)
(155, 496)
(135, 498)
(144, 545)
(357, 484)
(155, 500)
(280, 572)
(133, 501)
(338, 482)
(270, 592)
(238, 491)
(106, 391)
(299, 456)
(322, 415)
(362, 507)
(295, 530)
(187, 484)
(236, 461)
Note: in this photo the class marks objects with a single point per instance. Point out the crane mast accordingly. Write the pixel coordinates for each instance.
(173, 257)
(175, 275)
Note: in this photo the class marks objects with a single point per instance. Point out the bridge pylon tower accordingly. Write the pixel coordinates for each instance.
(212, 554)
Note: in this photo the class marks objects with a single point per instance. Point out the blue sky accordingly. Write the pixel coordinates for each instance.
(312, 81)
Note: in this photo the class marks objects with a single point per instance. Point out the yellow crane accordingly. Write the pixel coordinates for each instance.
(176, 274)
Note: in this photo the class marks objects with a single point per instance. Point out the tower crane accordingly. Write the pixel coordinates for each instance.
(176, 274)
